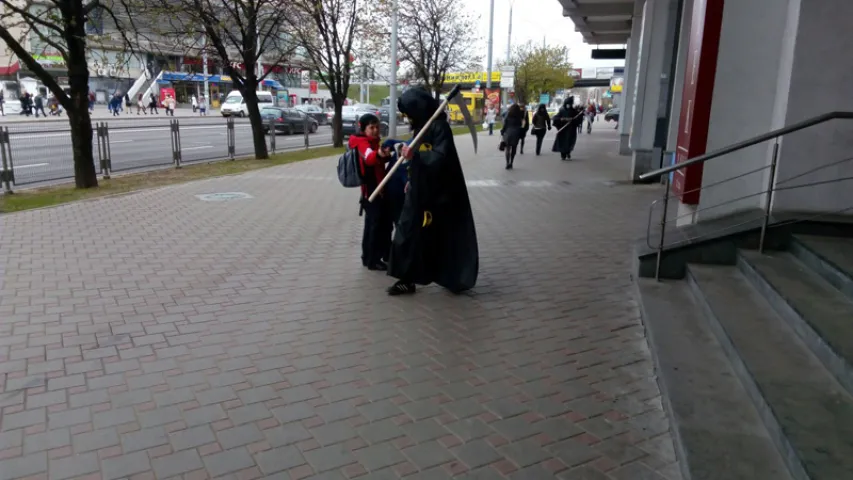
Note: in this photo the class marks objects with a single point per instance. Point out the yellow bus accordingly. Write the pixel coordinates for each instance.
(475, 102)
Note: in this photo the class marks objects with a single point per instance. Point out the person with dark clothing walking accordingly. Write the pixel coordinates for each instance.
(511, 132)
(39, 102)
(541, 125)
(568, 120)
(152, 105)
(27, 104)
(377, 219)
(128, 103)
(525, 127)
(2, 101)
(435, 239)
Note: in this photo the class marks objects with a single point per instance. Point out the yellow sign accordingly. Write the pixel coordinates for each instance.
(616, 84)
(470, 77)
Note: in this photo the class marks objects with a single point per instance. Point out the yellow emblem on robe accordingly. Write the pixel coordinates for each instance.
(427, 218)
(425, 147)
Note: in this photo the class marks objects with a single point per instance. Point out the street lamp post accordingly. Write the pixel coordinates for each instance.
(491, 34)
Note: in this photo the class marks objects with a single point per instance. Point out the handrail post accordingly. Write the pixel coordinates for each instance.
(662, 226)
(770, 188)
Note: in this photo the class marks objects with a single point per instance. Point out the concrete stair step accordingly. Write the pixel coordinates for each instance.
(807, 412)
(718, 432)
(830, 257)
(820, 314)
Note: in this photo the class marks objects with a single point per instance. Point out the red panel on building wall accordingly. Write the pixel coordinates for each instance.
(701, 68)
(312, 87)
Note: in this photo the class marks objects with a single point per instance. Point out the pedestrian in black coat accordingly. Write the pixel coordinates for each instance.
(541, 122)
(512, 132)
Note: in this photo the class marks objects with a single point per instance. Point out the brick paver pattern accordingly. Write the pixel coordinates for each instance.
(155, 335)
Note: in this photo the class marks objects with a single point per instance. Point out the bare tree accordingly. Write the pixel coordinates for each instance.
(435, 37)
(31, 28)
(326, 29)
(242, 34)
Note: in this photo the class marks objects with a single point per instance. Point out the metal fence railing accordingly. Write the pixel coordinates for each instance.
(35, 153)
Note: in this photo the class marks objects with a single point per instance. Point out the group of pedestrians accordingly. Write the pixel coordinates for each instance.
(419, 228)
(569, 122)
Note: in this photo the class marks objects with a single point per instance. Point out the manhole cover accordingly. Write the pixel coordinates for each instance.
(221, 197)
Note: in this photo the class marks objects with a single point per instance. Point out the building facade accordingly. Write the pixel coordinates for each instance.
(702, 75)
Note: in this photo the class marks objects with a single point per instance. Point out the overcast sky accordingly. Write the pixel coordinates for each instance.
(533, 21)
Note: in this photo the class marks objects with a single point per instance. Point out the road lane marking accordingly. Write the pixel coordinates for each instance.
(196, 148)
(32, 165)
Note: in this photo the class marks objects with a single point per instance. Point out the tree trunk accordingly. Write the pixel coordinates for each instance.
(85, 175)
(258, 137)
(337, 122)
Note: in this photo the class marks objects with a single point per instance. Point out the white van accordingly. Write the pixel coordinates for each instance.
(235, 105)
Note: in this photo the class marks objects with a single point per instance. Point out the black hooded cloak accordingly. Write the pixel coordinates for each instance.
(567, 137)
(444, 251)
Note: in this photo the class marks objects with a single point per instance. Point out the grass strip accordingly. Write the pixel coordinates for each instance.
(58, 194)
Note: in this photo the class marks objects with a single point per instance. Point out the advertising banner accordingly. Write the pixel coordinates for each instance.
(493, 98)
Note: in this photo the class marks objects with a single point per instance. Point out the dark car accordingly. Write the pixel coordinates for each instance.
(351, 114)
(612, 114)
(386, 116)
(287, 120)
(314, 112)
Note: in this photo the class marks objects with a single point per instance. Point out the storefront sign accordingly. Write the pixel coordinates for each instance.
(470, 77)
(54, 61)
(616, 84)
(312, 86)
(696, 100)
(603, 73)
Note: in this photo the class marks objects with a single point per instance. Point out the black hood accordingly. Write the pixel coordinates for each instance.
(418, 105)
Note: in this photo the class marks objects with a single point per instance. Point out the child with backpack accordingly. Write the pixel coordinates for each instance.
(371, 164)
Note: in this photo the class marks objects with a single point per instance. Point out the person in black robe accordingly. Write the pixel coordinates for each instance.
(435, 239)
(567, 137)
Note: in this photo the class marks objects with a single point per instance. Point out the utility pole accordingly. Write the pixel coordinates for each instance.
(360, 70)
(508, 49)
(491, 35)
(392, 109)
(509, 34)
(204, 67)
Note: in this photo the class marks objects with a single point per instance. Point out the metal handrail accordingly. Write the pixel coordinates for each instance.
(750, 142)
(773, 135)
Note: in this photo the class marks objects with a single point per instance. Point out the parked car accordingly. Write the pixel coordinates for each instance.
(612, 114)
(386, 116)
(288, 120)
(351, 114)
(314, 112)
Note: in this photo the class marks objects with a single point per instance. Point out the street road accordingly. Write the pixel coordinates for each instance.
(42, 152)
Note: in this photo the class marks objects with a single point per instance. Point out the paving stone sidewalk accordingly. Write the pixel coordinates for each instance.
(155, 335)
